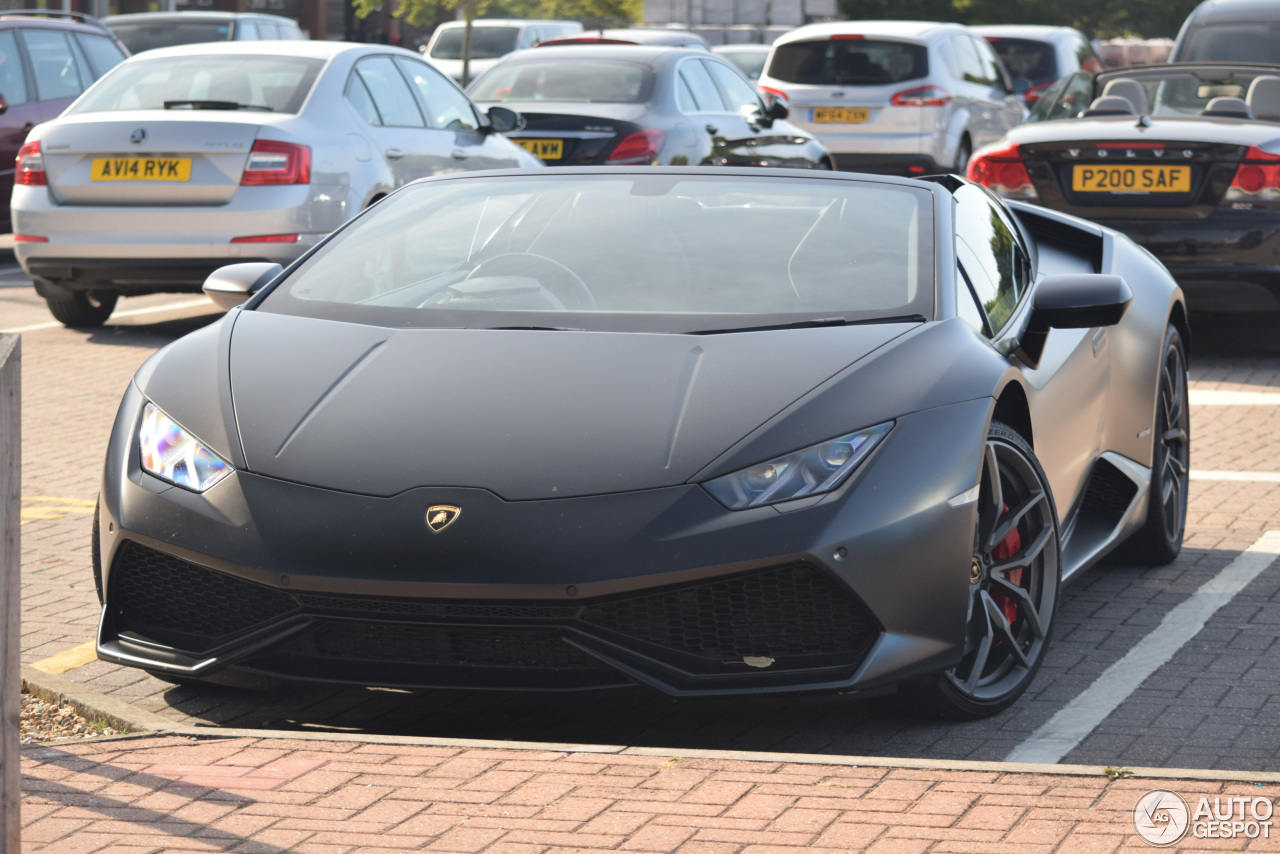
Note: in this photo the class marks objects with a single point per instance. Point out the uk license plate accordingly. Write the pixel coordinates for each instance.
(141, 169)
(843, 115)
(1131, 179)
(546, 149)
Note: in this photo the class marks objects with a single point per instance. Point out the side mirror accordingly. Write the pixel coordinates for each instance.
(1021, 85)
(503, 120)
(4, 105)
(231, 285)
(776, 110)
(1079, 301)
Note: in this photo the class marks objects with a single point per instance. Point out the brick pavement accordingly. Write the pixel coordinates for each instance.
(1182, 716)
(265, 796)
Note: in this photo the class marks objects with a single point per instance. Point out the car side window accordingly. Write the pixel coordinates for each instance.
(246, 31)
(738, 93)
(58, 73)
(268, 31)
(967, 307)
(358, 95)
(13, 80)
(946, 49)
(969, 65)
(1064, 99)
(103, 53)
(447, 107)
(390, 93)
(992, 70)
(991, 254)
(706, 98)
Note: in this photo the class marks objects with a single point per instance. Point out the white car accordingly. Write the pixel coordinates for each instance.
(899, 97)
(184, 159)
(491, 39)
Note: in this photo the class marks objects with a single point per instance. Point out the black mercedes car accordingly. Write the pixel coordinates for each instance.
(1184, 159)
(618, 105)
(711, 431)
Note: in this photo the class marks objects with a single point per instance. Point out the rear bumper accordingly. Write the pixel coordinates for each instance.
(1227, 262)
(138, 276)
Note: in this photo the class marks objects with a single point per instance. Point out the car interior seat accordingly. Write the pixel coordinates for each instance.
(1228, 108)
(1263, 98)
(1131, 90)
(1110, 105)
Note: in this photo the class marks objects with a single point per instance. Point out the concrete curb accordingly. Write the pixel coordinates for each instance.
(140, 722)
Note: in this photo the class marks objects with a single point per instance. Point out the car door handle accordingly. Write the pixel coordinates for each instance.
(713, 130)
(394, 153)
(459, 154)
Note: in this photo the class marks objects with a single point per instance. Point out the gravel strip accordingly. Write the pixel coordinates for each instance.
(44, 722)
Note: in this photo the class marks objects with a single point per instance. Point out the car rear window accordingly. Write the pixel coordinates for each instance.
(148, 35)
(486, 42)
(278, 84)
(848, 62)
(1253, 42)
(566, 79)
(625, 252)
(1031, 60)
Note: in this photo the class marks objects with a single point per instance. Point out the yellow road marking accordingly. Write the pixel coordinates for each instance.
(69, 660)
(46, 507)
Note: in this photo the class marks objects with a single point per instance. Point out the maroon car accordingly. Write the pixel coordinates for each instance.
(47, 59)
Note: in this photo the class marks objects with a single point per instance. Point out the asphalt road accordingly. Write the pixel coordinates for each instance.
(1210, 699)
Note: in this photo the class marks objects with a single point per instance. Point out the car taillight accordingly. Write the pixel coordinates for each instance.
(777, 93)
(28, 167)
(1033, 94)
(924, 96)
(1257, 178)
(639, 147)
(272, 162)
(1003, 171)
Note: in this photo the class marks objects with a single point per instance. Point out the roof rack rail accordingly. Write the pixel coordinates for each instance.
(55, 13)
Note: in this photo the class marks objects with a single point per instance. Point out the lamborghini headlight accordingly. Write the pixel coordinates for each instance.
(811, 471)
(171, 453)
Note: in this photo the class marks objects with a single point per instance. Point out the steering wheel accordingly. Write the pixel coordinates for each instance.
(562, 282)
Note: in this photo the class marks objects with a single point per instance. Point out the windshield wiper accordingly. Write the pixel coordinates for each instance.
(214, 105)
(812, 324)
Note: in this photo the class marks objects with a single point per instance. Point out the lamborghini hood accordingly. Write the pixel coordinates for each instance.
(525, 414)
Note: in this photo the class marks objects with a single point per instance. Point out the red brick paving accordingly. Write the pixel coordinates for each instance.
(345, 797)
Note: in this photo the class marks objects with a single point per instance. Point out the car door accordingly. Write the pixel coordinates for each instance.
(764, 143)
(1007, 109)
(1068, 388)
(731, 128)
(381, 95)
(58, 67)
(22, 113)
(700, 104)
(452, 119)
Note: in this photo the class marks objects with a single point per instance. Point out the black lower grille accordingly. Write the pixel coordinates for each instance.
(1108, 493)
(797, 615)
(171, 600)
(779, 613)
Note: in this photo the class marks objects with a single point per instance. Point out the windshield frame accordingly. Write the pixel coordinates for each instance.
(274, 298)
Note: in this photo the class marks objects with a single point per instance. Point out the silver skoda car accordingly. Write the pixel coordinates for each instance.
(898, 97)
(185, 159)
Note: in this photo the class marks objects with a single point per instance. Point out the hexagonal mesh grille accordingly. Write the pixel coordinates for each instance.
(152, 591)
(789, 611)
(412, 607)
(463, 646)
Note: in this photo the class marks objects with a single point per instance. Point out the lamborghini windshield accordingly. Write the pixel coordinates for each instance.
(652, 252)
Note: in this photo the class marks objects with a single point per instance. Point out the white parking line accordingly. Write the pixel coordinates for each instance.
(1237, 476)
(1219, 397)
(173, 306)
(1081, 716)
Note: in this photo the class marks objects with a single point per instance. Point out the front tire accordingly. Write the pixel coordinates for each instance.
(1160, 540)
(963, 152)
(83, 309)
(1013, 589)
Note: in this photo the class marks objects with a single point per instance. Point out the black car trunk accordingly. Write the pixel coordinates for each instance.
(562, 139)
(1148, 179)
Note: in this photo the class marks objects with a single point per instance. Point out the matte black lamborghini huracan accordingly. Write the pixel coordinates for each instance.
(714, 431)
(1183, 158)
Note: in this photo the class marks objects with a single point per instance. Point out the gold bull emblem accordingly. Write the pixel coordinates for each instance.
(442, 516)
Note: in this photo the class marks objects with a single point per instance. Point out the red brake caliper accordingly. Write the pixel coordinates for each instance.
(1005, 549)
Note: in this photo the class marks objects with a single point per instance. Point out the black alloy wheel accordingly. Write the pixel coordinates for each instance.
(1013, 588)
(1160, 539)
